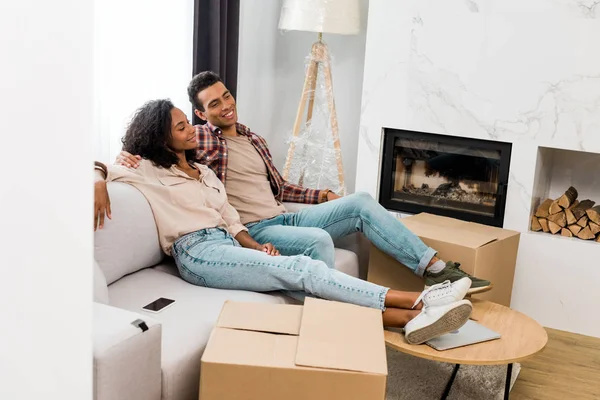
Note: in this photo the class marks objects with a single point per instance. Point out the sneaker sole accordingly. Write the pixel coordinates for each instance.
(451, 321)
(480, 289)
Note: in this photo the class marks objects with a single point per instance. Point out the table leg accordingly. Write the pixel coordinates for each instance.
(508, 379)
(450, 382)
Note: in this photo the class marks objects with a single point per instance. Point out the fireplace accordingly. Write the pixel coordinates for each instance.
(446, 175)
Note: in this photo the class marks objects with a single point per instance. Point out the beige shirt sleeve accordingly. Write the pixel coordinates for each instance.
(120, 173)
(229, 214)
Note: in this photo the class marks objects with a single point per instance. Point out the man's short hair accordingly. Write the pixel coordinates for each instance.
(200, 82)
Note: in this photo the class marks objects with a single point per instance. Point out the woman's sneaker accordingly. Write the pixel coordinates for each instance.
(444, 293)
(453, 273)
(436, 321)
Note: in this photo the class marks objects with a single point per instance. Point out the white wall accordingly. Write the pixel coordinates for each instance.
(506, 70)
(46, 199)
(271, 75)
(142, 51)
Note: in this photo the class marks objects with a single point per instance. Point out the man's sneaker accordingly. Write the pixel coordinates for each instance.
(436, 321)
(453, 273)
(444, 293)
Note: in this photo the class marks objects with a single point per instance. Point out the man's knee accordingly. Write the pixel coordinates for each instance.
(321, 246)
(360, 200)
(320, 239)
(363, 195)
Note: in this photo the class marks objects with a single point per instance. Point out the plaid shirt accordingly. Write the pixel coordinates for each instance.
(212, 152)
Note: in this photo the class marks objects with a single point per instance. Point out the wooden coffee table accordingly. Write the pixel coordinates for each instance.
(522, 337)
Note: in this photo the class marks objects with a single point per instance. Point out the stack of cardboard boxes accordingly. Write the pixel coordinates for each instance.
(326, 350)
(484, 251)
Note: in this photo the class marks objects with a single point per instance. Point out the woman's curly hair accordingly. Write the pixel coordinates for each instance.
(149, 132)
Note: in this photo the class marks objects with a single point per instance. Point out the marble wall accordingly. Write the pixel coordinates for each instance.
(519, 71)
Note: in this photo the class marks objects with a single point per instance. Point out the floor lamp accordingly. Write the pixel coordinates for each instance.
(320, 16)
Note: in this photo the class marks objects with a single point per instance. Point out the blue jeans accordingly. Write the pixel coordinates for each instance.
(213, 258)
(312, 230)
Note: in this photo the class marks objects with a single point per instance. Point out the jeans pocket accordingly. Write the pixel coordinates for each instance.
(187, 243)
(189, 270)
(191, 277)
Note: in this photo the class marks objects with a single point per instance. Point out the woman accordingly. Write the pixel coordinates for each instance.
(211, 247)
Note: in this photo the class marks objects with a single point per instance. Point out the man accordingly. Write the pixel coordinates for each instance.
(241, 160)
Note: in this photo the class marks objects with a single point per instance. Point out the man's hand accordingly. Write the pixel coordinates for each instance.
(128, 160)
(269, 249)
(101, 204)
(332, 196)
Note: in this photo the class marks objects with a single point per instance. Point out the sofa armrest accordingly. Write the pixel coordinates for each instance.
(355, 242)
(127, 360)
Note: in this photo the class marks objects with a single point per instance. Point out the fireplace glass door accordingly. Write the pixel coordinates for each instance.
(445, 175)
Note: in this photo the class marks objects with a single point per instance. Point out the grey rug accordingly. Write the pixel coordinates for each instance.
(413, 378)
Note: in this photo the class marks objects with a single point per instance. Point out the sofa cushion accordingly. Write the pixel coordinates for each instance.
(168, 266)
(100, 289)
(129, 241)
(186, 325)
(346, 261)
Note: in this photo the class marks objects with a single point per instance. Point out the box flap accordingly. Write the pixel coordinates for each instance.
(433, 219)
(242, 347)
(341, 336)
(261, 317)
(450, 230)
(500, 233)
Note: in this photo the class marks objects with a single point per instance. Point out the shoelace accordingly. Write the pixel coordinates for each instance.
(443, 289)
(456, 266)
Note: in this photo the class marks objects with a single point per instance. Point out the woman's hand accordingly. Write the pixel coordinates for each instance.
(101, 204)
(268, 248)
(128, 160)
(246, 241)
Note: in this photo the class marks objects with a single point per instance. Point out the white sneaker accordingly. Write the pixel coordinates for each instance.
(436, 321)
(444, 293)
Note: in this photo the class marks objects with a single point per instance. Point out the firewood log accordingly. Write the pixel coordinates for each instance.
(575, 229)
(559, 219)
(568, 198)
(535, 224)
(594, 227)
(575, 204)
(542, 211)
(554, 228)
(554, 208)
(594, 214)
(570, 217)
(579, 211)
(566, 232)
(586, 234)
(583, 221)
(544, 224)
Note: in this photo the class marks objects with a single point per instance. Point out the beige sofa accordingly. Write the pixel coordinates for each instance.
(160, 359)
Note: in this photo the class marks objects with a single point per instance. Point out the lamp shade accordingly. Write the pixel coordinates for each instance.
(326, 16)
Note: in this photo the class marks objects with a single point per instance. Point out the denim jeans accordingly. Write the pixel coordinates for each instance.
(213, 258)
(312, 230)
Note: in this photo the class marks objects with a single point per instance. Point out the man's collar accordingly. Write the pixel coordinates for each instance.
(240, 128)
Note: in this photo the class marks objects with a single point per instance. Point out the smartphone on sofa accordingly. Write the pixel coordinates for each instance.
(158, 305)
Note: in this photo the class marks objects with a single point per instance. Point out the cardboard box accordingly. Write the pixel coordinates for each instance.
(484, 251)
(324, 350)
